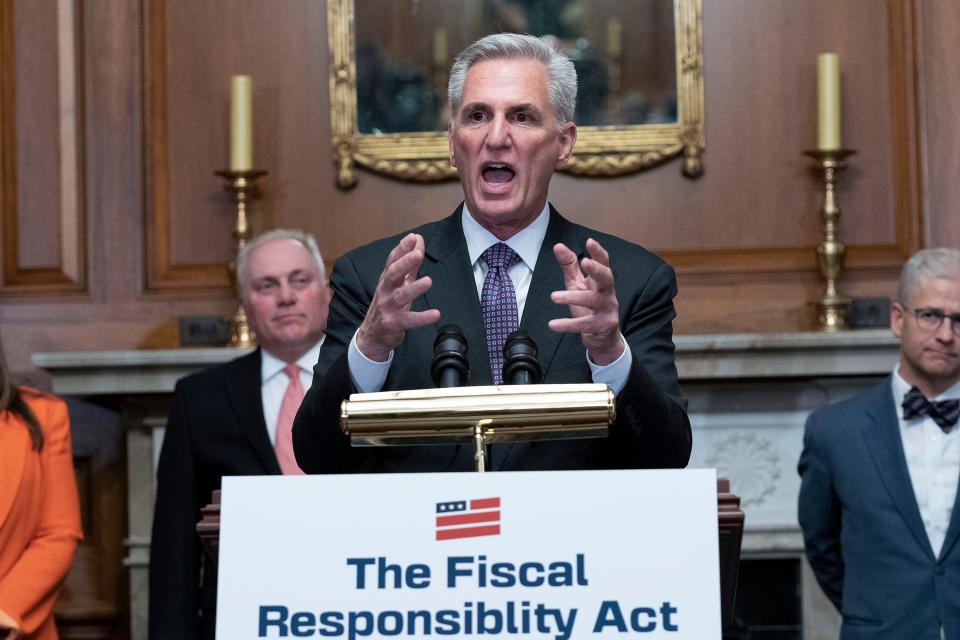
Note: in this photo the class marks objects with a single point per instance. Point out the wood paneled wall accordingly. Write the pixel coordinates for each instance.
(43, 226)
(938, 81)
(113, 117)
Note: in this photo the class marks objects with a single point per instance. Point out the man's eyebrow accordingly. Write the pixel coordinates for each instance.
(941, 311)
(474, 106)
(483, 106)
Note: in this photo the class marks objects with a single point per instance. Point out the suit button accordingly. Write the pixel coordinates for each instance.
(940, 570)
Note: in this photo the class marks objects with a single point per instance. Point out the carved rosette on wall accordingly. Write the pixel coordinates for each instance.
(601, 151)
(751, 463)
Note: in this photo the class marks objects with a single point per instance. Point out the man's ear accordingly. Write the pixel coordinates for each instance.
(450, 154)
(568, 137)
(896, 318)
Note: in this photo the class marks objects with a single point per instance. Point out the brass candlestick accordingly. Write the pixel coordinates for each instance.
(243, 184)
(832, 307)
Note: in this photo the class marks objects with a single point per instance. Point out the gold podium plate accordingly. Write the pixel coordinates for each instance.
(504, 413)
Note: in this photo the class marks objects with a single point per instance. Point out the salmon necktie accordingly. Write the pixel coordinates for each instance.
(292, 398)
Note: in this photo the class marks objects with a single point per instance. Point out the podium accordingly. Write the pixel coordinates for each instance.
(480, 415)
(729, 521)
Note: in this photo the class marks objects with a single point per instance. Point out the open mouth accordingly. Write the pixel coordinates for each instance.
(497, 173)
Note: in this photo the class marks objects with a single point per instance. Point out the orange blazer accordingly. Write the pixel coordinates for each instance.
(39, 515)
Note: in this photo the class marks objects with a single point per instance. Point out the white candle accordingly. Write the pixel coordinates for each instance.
(828, 102)
(241, 124)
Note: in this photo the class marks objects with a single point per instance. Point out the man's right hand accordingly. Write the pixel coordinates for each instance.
(389, 315)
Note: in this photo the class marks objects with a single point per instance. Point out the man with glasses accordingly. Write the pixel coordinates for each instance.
(878, 499)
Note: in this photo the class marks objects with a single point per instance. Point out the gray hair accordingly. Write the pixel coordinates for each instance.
(304, 238)
(561, 76)
(927, 264)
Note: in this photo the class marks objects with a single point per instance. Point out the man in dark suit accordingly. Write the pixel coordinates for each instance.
(878, 497)
(234, 419)
(599, 308)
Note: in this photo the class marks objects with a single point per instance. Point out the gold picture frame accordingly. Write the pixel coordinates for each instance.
(601, 150)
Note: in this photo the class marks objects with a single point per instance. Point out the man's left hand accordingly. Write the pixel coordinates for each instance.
(592, 299)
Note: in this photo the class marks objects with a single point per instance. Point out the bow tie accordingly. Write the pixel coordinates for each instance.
(944, 413)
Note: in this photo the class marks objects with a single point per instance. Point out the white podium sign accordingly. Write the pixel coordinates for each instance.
(586, 554)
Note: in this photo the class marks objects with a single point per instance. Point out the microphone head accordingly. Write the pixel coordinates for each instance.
(450, 367)
(520, 341)
(520, 363)
(450, 338)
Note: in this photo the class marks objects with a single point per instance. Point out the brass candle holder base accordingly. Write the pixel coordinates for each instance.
(832, 306)
(243, 184)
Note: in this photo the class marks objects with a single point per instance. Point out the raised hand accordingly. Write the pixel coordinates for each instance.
(389, 315)
(590, 294)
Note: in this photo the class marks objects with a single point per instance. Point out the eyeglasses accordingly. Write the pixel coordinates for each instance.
(931, 319)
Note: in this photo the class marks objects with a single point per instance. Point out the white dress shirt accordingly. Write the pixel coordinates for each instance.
(369, 376)
(273, 383)
(933, 460)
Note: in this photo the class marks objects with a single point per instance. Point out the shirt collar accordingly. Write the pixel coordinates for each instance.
(901, 387)
(271, 365)
(525, 242)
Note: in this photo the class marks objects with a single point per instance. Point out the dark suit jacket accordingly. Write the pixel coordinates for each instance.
(215, 429)
(862, 528)
(651, 430)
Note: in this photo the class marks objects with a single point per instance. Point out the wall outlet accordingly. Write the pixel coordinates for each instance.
(203, 330)
(868, 313)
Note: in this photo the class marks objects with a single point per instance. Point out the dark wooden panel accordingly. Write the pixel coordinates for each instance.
(939, 84)
(37, 92)
(757, 206)
(92, 601)
(43, 218)
(164, 271)
(192, 52)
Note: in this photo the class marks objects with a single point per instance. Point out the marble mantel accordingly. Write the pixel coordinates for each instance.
(786, 355)
(749, 396)
(700, 357)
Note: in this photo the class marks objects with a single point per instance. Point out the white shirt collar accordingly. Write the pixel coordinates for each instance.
(525, 242)
(271, 365)
(901, 387)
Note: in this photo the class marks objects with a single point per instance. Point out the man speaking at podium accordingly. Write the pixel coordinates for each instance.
(598, 308)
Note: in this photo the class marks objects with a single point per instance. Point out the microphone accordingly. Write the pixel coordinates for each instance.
(520, 365)
(450, 367)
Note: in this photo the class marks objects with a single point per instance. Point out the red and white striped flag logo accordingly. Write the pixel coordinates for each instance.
(468, 518)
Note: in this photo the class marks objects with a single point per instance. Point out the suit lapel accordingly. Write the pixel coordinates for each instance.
(881, 433)
(547, 278)
(15, 445)
(953, 529)
(244, 394)
(538, 310)
(454, 291)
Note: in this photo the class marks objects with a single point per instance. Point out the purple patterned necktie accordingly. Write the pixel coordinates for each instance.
(498, 302)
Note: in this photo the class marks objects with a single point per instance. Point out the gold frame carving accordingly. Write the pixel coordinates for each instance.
(602, 151)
